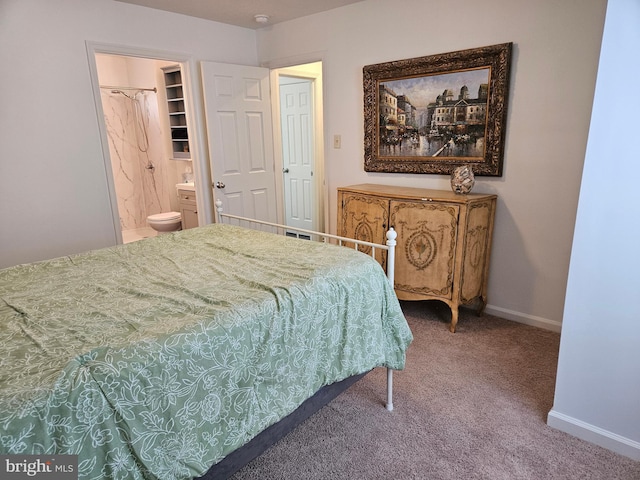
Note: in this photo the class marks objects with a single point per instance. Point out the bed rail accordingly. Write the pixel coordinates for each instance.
(389, 247)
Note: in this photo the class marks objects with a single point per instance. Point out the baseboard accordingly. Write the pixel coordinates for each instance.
(598, 436)
(519, 317)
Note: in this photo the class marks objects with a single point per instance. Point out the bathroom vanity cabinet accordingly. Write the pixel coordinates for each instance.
(177, 112)
(444, 239)
(188, 208)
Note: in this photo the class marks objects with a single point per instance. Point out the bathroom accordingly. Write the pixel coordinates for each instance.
(146, 172)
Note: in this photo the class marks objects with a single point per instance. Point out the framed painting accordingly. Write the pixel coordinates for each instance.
(432, 114)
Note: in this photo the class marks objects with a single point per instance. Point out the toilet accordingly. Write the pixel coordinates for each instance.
(165, 222)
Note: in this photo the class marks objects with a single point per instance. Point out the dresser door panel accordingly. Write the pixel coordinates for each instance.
(475, 250)
(365, 217)
(425, 255)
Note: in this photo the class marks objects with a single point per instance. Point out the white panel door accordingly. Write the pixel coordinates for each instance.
(240, 136)
(296, 119)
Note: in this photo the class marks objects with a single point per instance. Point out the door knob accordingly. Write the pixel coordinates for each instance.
(285, 170)
(220, 185)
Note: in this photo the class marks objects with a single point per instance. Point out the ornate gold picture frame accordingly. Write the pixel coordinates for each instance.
(432, 114)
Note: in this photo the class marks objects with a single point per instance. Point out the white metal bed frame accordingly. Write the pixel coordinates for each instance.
(389, 247)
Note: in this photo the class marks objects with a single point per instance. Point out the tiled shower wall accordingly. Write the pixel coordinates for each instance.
(137, 159)
(136, 144)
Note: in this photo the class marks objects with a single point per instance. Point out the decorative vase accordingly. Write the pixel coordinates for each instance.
(462, 179)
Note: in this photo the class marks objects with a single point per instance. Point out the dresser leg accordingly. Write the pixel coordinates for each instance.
(454, 319)
(483, 304)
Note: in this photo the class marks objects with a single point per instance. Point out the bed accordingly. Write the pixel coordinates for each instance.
(160, 358)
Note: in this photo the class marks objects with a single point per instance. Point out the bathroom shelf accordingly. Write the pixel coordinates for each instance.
(177, 113)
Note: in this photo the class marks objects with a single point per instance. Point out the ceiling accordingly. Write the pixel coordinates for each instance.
(242, 12)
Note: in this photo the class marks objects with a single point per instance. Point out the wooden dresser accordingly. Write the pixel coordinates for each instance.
(444, 239)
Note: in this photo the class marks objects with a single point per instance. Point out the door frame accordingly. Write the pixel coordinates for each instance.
(195, 122)
(315, 77)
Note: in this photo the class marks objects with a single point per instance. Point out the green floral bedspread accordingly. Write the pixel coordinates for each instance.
(156, 359)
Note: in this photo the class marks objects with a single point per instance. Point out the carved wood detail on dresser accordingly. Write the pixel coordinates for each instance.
(444, 239)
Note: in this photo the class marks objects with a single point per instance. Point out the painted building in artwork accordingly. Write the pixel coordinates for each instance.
(459, 115)
(410, 112)
(388, 106)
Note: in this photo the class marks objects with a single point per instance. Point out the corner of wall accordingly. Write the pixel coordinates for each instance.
(520, 317)
(593, 434)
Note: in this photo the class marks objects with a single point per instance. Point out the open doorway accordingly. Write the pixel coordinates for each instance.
(251, 160)
(298, 131)
(139, 130)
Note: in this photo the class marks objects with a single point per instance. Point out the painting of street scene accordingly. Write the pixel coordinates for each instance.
(438, 116)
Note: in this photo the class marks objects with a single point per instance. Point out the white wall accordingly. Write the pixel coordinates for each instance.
(54, 198)
(556, 46)
(598, 384)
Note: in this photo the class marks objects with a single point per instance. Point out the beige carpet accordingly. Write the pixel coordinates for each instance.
(469, 405)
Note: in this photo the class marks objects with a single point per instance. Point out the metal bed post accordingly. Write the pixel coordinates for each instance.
(391, 259)
(219, 210)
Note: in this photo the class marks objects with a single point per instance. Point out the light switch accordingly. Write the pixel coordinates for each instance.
(337, 141)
